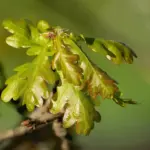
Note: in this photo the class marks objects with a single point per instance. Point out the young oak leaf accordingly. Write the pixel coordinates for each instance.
(99, 83)
(32, 79)
(43, 26)
(30, 84)
(79, 110)
(20, 27)
(34, 50)
(26, 35)
(66, 61)
(96, 81)
(20, 31)
(36, 37)
(117, 52)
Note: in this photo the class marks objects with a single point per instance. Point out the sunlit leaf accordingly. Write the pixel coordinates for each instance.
(97, 82)
(59, 58)
(117, 52)
(37, 37)
(20, 27)
(66, 61)
(43, 26)
(30, 84)
(25, 34)
(20, 31)
(79, 110)
(34, 50)
(32, 79)
(18, 41)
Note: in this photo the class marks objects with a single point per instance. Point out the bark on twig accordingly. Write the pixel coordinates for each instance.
(14, 132)
(23, 129)
(61, 133)
(37, 118)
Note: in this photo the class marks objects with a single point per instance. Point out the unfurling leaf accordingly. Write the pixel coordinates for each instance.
(117, 52)
(20, 31)
(67, 62)
(79, 110)
(25, 34)
(34, 50)
(96, 80)
(58, 58)
(99, 83)
(36, 37)
(43, 26)
(30, 84)
(32, 79)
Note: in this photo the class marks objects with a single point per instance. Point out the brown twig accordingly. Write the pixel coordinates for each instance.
(32, 125)
(14, 132)
(37, 118)
(42, 113)
(61, 133)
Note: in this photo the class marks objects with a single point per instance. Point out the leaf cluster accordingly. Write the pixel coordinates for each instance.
(58, 56)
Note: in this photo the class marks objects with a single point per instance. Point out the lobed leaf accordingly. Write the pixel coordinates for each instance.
(20, 26)
(34, 50)
(81, 80)
(25, 34)
(36, 37)
(96, 81)
(79, 110)
(67, 62)
(32, 79)
(30, 84)
(43, 26)
(99, 83)
(117, 52)
(20, 31)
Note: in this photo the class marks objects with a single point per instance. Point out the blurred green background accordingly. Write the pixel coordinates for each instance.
(123, 20)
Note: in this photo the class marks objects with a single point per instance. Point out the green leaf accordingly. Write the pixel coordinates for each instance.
(99, 83)
(23, 67)
(34, 50)
(47, 74)
(20, 26)
(43, 26)
(25, 34)
(81, 80)
(30, 83)
(66, 61)
(32, 80)
(117, 52)
(37, 37)
(96, 81)
(20, 31)
(79, 110)
(18, 41)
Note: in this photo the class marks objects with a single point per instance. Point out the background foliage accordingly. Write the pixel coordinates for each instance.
(126, 21)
